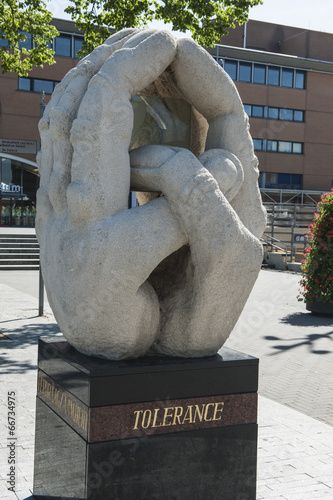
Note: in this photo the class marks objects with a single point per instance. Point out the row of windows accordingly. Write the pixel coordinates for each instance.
(280, 181)
(36, 85)
(264, 74)
(278, 146)
(292, 115)
(63, 45)
(67, 45)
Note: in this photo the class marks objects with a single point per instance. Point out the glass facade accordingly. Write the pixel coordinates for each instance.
(63, 45)
(36, 85)
(265, 74)
(278, 146)
(19, 181)
(271, 180)
(67, 45)
(286, 114)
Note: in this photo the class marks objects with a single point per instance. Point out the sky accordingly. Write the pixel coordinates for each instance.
(309, 14)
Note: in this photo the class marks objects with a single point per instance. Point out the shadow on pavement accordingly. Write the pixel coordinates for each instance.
(16, 319)
(308, 340)
(21, 338)
(306, 319)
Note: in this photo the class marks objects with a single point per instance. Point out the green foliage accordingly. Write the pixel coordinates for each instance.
(207, 20)
(17, 18)
(317, 279)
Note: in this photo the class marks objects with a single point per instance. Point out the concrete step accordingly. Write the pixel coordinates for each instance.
(17, 235)
(18, 256)
(15, 267)
(17, 246)
(17, 241)
(31, 260)
(19, 250)
(299, 256)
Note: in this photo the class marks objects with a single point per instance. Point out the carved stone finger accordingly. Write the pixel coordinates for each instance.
(56, 155)
(211, 91)
(101, 133)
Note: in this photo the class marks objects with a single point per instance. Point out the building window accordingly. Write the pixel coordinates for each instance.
(256, 73)
(272, 146)
(245, 72)
(287, 79)
(278, 146)
(63, 45)
(273, 75)
(286, 114)
(78, 41)
(24, 84)
(255, 111)
(4, 43)
(259, 73)
(300, 80)
(42, 85)
(273, 113)
(297, 148)
(231, 68)
(66, 45)
(298, 115)
(271, 180)
(284, 147)
(36, 85)
(27, 43)
(258, 144)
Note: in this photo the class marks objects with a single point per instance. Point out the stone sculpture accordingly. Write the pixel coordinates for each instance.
(171, 276)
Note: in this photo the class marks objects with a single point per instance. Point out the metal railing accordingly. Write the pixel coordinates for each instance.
(287, 196)
(271, 243)
(287, 228)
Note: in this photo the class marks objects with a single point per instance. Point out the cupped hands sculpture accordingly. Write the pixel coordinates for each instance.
(171, 276)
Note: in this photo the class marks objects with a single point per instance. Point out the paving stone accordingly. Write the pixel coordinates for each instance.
(295, 458)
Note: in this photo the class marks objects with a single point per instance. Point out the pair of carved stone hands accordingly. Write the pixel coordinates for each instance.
(173, 275)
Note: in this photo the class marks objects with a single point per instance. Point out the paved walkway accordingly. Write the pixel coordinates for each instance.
(295, 449)
(295, 347)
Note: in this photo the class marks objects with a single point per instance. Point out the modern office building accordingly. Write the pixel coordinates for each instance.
(284, 76)
(20, 110)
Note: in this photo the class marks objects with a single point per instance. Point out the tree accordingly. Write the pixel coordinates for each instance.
(25, 35)
(207, 20)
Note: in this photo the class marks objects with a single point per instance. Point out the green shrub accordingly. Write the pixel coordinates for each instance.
(317, 279)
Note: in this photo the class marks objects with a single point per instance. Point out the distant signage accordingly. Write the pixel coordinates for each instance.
(299, 238)
(10, 188)
(17, 146)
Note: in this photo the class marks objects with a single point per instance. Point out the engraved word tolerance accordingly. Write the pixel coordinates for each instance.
(173, 415)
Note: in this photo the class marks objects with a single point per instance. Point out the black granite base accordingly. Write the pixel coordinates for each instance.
(153, 428)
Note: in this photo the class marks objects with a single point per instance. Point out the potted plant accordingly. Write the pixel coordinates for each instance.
(317, 280)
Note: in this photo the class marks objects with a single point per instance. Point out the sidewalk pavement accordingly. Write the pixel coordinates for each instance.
(295, 448)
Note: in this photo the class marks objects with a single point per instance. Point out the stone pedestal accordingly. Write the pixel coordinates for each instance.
(150, 428)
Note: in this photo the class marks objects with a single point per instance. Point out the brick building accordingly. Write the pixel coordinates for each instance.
(284, 76)
(20, 109)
